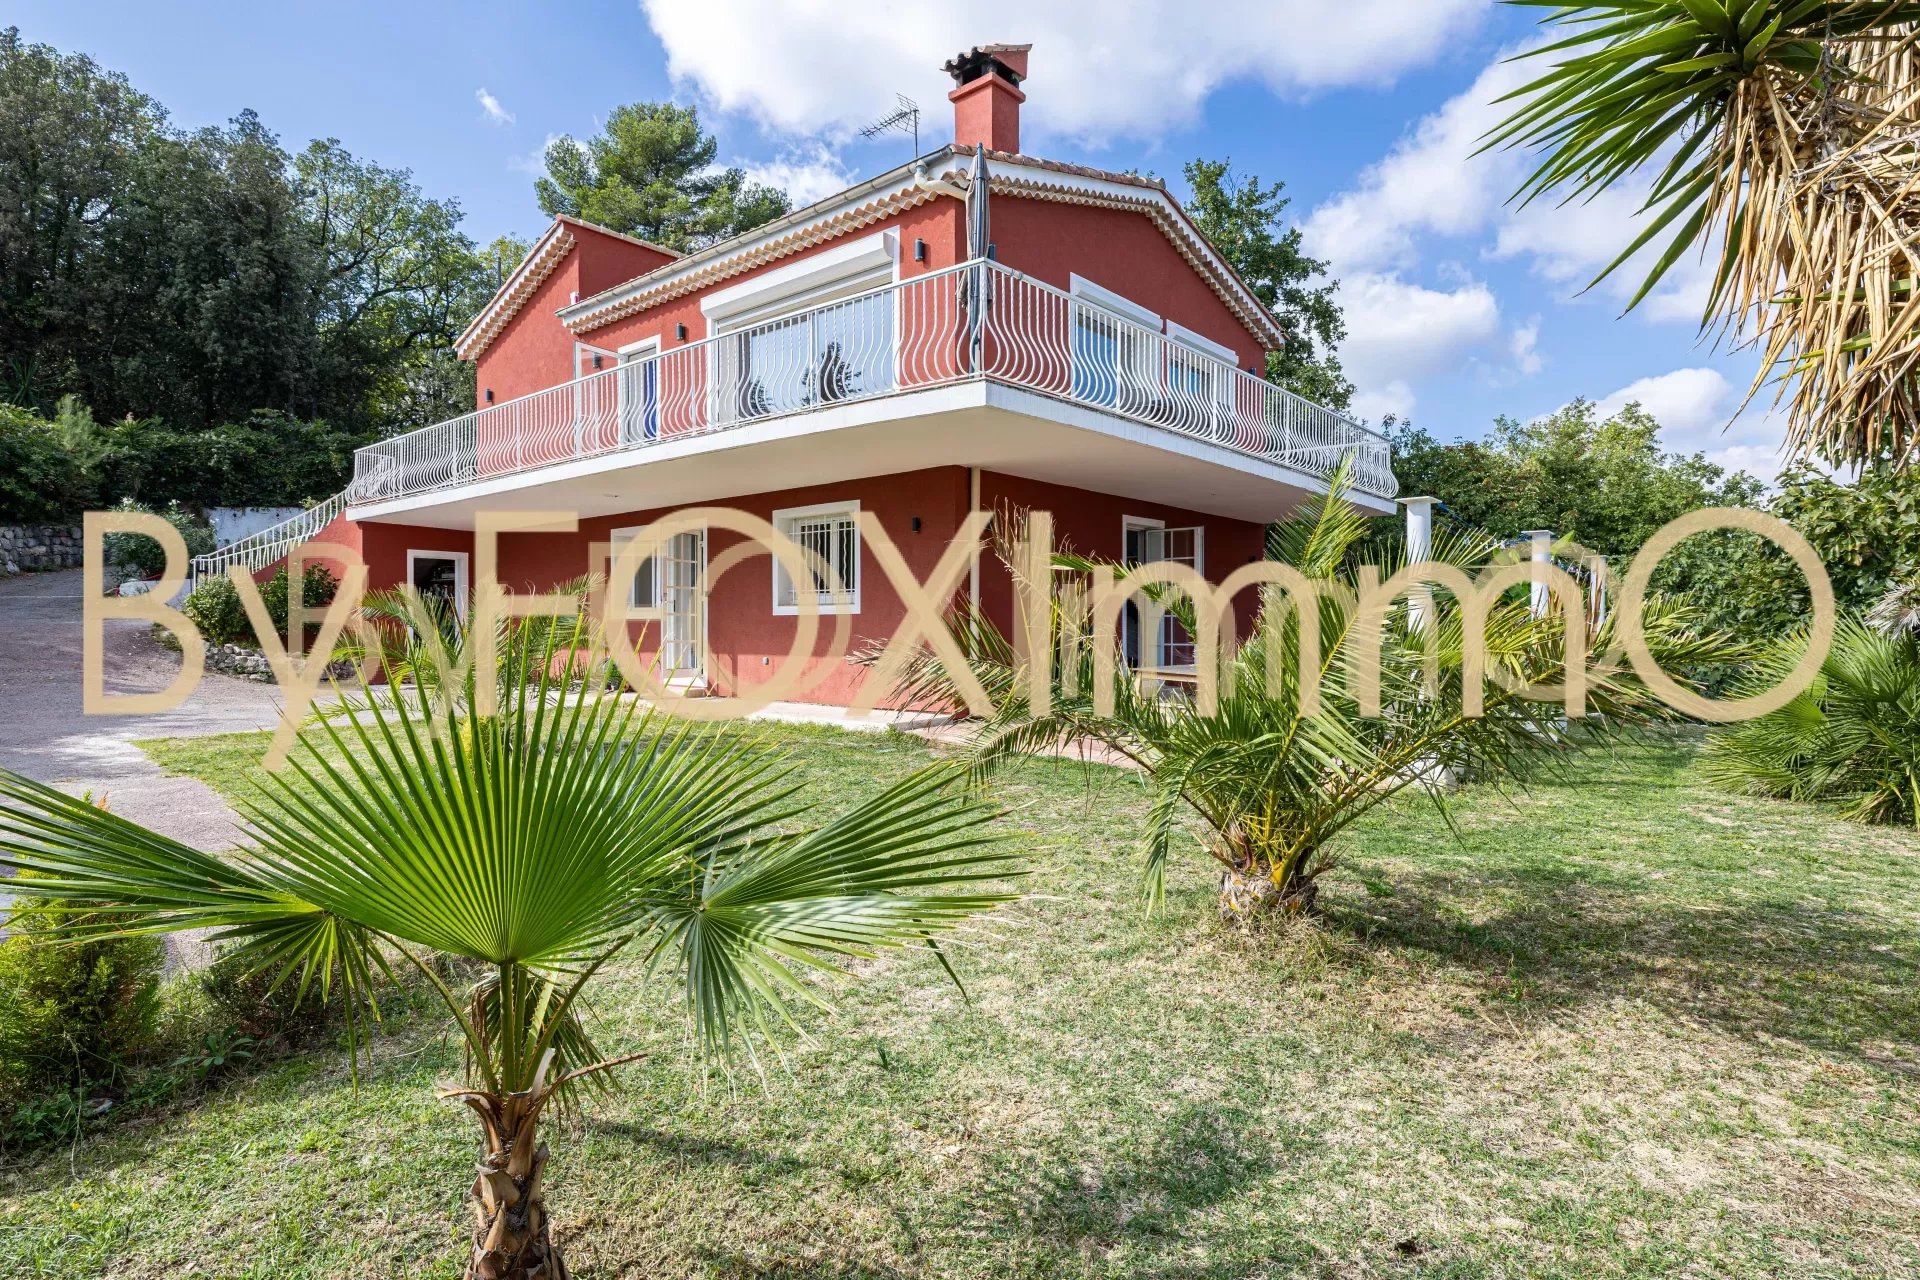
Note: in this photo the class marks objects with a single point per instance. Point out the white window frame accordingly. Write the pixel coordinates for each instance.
(461, 581)
(618, 538)
(1137, 357)
(785, 516)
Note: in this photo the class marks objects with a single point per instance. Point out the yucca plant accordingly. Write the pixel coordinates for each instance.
(1272, 780)
(1851, 739)
(1780, 137)
(542, 844)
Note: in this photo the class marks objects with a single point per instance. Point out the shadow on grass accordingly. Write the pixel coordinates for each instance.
(1071, 1214)
(1797, 970)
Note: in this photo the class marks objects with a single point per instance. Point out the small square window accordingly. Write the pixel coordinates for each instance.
(829, 538)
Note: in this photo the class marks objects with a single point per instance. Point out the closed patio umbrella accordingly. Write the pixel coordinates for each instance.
(979, 283)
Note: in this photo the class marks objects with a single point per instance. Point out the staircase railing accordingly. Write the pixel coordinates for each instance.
(260, 550)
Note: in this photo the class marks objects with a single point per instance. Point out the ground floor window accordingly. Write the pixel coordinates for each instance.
(829, 536)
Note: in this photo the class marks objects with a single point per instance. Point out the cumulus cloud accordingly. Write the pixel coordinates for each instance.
(1695, 409)
(1431, 183)
(806, 175)
(495, 113)
(1398, 331)
(1100, 70)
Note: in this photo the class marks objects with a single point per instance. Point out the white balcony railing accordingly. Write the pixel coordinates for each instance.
(976, 320)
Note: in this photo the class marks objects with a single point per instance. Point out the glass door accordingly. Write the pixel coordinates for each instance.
(683, 627)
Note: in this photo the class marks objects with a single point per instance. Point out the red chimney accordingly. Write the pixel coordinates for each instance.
(986, 96)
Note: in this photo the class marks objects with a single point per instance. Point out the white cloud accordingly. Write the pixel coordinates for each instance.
(805, 175)
(495, 113)
(1099, 69)
(1430, 183)
(1398, 331)
(1696, 412)
(1523, 344)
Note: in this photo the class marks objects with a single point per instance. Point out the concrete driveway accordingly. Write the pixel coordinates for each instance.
(44, 735)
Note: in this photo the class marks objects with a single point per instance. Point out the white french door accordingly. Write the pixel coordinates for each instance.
(683, 623)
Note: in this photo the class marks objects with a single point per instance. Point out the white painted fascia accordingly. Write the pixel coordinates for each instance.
(867, 255)
(1203, 344)
(1107, 300)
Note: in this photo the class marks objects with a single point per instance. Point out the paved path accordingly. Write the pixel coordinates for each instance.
(44, 735)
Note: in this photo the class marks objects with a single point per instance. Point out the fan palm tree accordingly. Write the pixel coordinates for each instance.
(1270, 777)
(541, 844)
(1782, 139)
(1852, 738)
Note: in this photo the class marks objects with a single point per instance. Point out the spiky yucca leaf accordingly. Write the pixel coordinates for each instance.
(1780, 139)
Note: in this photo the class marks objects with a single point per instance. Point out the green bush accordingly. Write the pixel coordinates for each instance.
(71, 1014)
(247, 1002)
(215, 608)
(317, 590)
(147, 556)
(40, 480)
(1852, 738)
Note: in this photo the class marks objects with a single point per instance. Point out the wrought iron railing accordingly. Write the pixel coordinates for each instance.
(269, 546)
(976, 320)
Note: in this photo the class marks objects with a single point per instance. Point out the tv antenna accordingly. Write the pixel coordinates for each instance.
(904, 119)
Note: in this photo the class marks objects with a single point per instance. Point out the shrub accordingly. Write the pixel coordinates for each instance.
(72, 1013)
(40, 481)
(215, 608)
(247, 1001)
(316, 591)
(147, 556)
(1852, 738)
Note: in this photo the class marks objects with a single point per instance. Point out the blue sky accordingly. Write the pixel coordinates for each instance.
(1461, 308)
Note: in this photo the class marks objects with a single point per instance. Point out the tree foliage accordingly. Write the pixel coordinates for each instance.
(651, 174)
(197, 277)
(1776, 137)
(1604, 482)
(1245, 220)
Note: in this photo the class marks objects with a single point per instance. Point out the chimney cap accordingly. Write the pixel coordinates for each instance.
(1009, 61)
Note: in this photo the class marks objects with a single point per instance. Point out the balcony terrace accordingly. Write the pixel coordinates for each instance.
(976, 323)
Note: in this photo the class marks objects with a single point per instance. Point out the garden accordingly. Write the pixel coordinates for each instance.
(1617, 1023)
(1282, 989)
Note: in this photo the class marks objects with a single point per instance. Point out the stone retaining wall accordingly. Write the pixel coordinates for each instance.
(40, 546)
(251, 664)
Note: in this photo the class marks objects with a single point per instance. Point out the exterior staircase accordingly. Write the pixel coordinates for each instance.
(268, 547)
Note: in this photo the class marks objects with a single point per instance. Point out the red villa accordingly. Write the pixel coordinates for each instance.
(1089, 355)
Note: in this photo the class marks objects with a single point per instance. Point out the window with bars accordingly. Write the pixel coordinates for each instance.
(829, 539)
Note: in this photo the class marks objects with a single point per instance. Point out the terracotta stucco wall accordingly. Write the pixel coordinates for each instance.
(746, 638)
(1121, 251)
(940, 222)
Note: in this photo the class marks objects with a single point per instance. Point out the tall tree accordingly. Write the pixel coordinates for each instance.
(651, 174)
(200, 278)
(71, 136)
(1245, 220)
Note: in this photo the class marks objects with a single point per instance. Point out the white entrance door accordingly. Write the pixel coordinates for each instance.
(683, 626)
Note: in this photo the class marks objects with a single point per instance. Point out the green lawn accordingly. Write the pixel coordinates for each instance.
(1620, 1025)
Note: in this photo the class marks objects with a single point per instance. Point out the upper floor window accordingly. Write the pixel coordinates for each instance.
(814, 332)
(828, 536)
(1116, 348)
